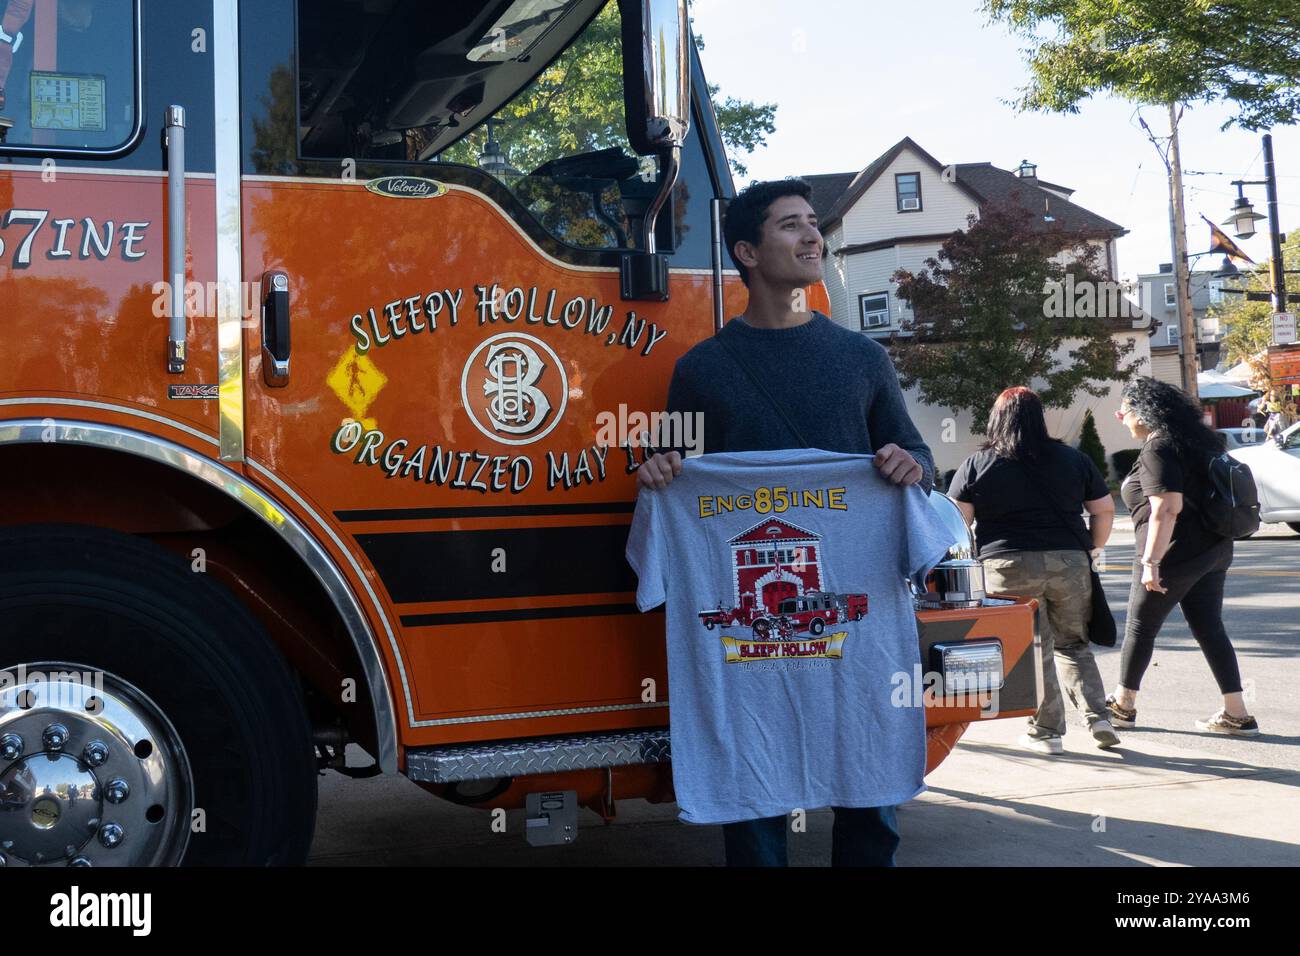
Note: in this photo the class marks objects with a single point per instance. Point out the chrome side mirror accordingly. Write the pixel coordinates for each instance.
(657, 99)
(656, 74)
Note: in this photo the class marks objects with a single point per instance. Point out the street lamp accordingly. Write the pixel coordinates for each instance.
(1243, 216)
(493, 158)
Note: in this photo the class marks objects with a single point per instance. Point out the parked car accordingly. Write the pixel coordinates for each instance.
(1241, 437)
(1276, 467)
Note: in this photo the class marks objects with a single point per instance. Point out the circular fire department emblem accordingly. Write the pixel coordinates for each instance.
(514, 388)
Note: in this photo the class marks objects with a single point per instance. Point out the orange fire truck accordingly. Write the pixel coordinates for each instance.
(310, 311)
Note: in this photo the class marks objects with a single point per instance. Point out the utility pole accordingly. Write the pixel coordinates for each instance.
(1274, 227)
(1182, 280)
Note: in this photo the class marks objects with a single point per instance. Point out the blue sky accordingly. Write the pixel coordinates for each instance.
(853, 78)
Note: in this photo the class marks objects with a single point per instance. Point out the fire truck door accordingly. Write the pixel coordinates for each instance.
(108, 222)
(462, 369)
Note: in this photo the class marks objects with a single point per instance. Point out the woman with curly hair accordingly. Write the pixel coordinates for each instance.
(1178, 560)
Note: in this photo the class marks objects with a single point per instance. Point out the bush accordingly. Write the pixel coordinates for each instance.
(1123, 460)
(1090, 442)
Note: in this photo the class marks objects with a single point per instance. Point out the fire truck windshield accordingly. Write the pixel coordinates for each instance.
(530, 92)
(67, 73)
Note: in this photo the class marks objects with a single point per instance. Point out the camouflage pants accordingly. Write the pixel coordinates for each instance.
(1062, 583)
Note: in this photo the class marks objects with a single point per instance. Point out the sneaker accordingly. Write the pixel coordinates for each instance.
(1103, 733)
(1119, 717)
(1223, 723)
(1044, 744)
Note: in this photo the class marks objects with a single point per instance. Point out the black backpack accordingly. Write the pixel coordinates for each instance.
(1231, 505)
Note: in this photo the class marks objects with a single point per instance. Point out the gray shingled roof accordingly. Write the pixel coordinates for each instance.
(835, 193)
(998, 185)
(827, 187)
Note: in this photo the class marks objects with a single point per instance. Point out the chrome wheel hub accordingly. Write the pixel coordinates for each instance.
(92, 773)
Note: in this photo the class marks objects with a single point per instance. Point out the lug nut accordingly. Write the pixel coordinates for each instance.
(116, 790)
(111, 834)
(55, 736)
(11, 746)
(79, 861)
(96, 753)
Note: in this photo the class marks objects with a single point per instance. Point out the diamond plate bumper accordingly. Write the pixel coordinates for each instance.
(519, 758)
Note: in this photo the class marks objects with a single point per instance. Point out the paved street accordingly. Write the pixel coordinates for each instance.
(1168, 796)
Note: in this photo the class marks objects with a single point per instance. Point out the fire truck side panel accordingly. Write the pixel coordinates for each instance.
(423, 494)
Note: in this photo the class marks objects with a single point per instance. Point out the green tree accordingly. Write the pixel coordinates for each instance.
(1090, 442)
(984, 317)
(576, 106)
(1246, 52)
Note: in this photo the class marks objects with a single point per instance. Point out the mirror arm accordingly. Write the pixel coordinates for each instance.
(671, 163)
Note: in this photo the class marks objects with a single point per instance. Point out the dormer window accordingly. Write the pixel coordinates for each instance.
(907, 189)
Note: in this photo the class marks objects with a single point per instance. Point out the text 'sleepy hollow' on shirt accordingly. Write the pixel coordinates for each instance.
(790, 625)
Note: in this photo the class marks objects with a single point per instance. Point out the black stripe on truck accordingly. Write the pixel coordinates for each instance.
(485, 511)
(518, 614)
(419, 566)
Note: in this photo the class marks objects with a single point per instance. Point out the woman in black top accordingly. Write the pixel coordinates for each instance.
(1026, 491)
(1177, 559)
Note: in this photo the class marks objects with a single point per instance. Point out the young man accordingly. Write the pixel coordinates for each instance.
(839, 391)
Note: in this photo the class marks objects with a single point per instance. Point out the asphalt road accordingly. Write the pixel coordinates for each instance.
(389, 820)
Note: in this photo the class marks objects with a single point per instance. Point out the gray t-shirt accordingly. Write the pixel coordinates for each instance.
(790, 627)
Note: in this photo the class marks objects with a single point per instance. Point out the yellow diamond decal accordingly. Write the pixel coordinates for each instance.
(356, 381)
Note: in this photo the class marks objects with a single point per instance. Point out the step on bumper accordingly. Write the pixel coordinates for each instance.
(519, 758)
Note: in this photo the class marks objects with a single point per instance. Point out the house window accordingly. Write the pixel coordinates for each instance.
(875, 310)
(1171, 300)
(1215, 287)
(907, 188)
(1171, 334)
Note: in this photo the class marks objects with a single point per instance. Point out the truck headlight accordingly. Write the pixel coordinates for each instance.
(968, 667)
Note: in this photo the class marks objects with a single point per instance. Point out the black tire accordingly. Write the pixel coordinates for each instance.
(762, 629)
(111, 601)
(817, 626)
(708, 625)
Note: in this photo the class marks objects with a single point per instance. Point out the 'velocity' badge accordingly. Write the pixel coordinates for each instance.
(406, 187)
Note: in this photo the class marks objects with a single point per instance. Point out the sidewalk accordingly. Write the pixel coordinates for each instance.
(992, 804)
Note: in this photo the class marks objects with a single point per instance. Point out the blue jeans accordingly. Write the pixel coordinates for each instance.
(862, 836)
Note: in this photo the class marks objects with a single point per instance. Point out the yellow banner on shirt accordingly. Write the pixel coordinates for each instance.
(740, 651)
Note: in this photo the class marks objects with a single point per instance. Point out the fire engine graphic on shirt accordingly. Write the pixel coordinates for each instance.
(777, 595)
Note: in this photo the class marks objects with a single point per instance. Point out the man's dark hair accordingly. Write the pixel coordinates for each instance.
(748, 211)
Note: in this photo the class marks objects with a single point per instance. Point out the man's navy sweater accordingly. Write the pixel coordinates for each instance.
(839, 389)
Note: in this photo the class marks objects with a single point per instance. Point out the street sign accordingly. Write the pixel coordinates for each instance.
(1284, 328)
(1284, 366)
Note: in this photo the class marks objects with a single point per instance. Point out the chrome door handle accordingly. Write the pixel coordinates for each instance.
(275, 329)
(174, 140)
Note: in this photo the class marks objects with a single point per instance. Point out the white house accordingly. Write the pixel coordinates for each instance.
(895, 214)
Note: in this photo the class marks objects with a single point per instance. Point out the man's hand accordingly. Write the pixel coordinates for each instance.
(658, 470)
(898, 465)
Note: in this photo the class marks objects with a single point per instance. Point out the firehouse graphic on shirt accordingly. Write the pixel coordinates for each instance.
(778, 609)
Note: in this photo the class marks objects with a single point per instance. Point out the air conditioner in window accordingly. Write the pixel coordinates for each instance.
(877, 320)
(911, 203)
